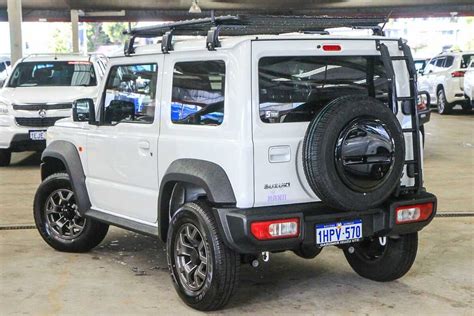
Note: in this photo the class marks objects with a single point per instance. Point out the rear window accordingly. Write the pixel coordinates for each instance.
(466, 60)
(293, 89)
(58, 73)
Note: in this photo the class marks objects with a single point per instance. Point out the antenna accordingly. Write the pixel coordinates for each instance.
(386, 19)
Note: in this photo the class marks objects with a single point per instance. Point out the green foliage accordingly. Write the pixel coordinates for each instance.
(95, 36)
(61, 36)
(107, 33)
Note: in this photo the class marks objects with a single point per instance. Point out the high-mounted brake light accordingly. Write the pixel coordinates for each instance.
(332, 48)
(413, 213)
(457, 74)
(275, 229)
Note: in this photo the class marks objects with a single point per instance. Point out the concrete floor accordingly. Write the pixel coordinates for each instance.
(127, 273)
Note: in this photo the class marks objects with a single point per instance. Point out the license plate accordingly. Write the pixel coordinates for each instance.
(37, 135)
(338, 233)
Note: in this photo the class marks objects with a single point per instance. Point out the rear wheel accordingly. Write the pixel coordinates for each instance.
(5, 157)
(58, 220)
(444, 107)
(204, 270)
(381, 259)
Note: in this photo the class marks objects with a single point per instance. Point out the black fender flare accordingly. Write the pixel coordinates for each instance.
(205, 174)
(67, 153)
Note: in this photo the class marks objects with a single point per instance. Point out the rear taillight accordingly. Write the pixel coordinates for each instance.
(413, 213)
(332, 48)
(274, 229)
(457, 74)
(422, 105)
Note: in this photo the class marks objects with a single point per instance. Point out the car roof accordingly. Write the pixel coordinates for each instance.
(193, 43)
(61, 57)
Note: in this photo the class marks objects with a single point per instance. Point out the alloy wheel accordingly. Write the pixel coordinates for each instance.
(191, 257)
(62, 216)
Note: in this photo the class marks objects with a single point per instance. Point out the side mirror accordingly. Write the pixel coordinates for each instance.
(424, 100)
(83, 111)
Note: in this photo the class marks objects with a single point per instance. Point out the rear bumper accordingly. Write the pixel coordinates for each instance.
(235, 223)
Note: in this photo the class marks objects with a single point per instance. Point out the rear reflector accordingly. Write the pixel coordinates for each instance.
(332, 48)
(457, 74)
(413, 213)
(274, 229)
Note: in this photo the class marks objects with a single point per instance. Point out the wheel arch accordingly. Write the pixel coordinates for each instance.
(199, 178)
(62, 156)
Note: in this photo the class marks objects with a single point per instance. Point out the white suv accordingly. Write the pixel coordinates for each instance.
(469, 83)
(443, 78)
(5, 68)
(227, 148)
(38, 92)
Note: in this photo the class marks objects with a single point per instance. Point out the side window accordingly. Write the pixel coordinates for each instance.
(2, 67)
(130, 94)
(198, 93)
(429, 68)
(440, 62)
(449, 61)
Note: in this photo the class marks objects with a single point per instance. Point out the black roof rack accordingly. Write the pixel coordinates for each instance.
(230, 25)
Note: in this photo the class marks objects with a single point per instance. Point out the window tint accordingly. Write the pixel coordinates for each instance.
(198, 93)
(466, 60)
(57, 73)
(440, 62)
(2, 66)
(294, 89)
(449, 61)
(130, 94)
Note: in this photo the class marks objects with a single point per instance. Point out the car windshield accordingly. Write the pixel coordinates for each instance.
(466, 60)
(57, 73)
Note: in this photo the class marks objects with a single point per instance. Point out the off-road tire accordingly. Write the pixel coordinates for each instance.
(319, 152)
(396, 260)
(444, 107)
(93, 231)
(5, 157)
(222, 274)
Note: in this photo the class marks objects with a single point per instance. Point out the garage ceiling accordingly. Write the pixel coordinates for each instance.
(165, 10)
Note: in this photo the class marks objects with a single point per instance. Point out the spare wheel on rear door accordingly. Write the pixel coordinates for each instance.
(353, 153)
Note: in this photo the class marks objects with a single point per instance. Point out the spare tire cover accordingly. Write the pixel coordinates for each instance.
(354, 153)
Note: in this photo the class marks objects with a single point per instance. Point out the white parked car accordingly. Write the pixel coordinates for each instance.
(227, 148)
(469, 83)
(5, 68)
(443, 78)
(38, 92)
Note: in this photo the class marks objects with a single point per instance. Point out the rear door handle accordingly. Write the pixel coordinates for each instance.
(144, 145)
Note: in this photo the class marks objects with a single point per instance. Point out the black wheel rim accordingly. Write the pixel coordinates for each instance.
(364, 154)
(192, 258)
(62, 216)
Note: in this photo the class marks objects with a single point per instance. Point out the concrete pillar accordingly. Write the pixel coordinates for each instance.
(14, 20)
(75, 30)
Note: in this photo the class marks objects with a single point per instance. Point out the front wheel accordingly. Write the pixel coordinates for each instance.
(58, 220)
(383, 260)
(203, 269)
(5, 157)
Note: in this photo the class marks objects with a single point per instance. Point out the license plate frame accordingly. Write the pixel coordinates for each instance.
(37, 134)
(338, 233)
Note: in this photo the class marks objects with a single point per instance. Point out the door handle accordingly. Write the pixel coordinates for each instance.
(144, 145)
